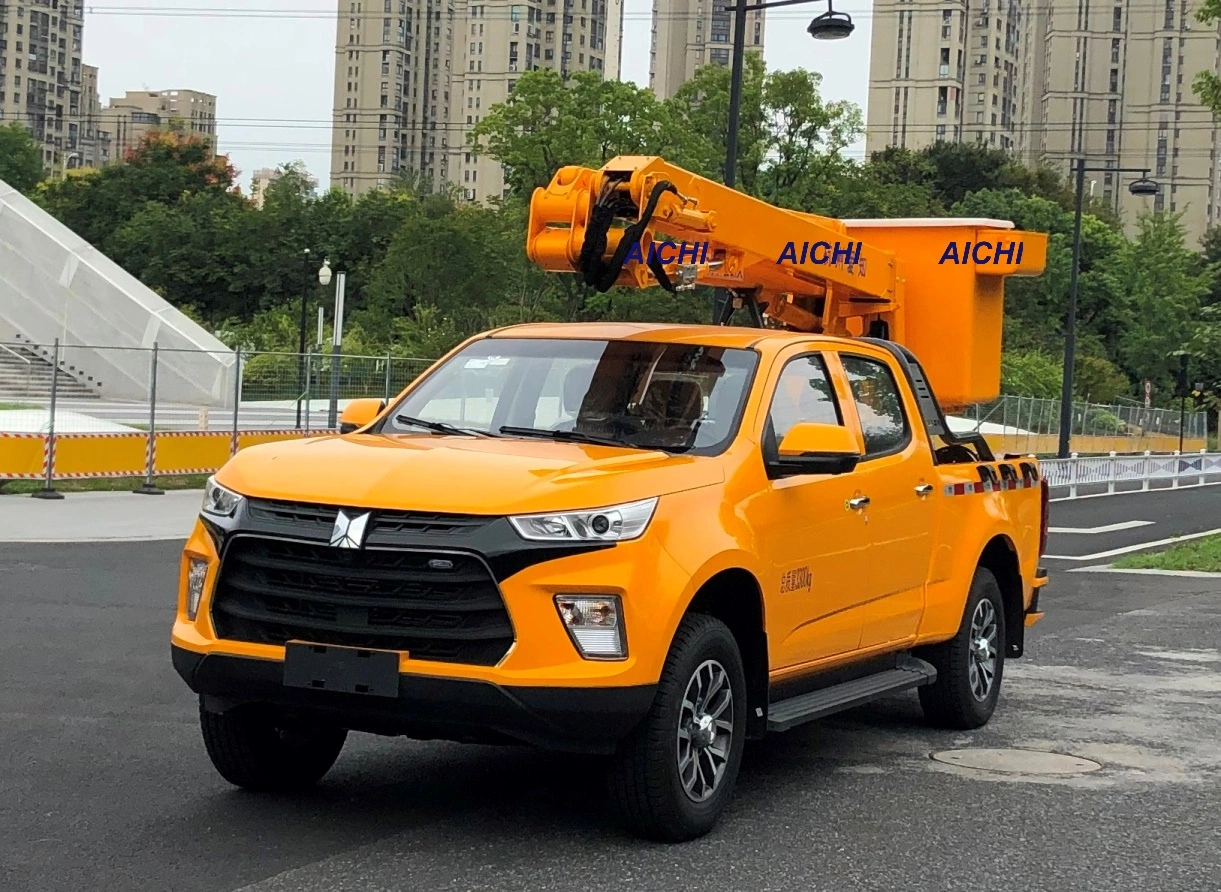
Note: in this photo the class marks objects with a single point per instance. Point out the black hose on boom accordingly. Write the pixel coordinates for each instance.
(602, 276)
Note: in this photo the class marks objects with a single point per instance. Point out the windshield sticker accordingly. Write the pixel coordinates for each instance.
(476, 364)
(498, 360)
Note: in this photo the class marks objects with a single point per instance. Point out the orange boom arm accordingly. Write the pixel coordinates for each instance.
(930, 284)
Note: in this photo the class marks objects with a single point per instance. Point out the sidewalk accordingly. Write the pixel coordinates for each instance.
(99, 517)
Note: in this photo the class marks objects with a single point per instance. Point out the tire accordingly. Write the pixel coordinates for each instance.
(953, 700)
(646, 783)
(252, 750)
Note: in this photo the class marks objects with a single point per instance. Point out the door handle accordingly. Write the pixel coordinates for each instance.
(858, 502)
(924, 489)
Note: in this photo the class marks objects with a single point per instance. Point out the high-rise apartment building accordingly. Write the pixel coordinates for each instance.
(412, 77)
(689, 34)
(1051, 83)
(128, 118)
(945, 70)
(95, 140)
(1117, 91)
(40, 73)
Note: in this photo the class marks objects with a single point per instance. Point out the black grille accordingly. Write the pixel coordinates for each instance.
(304, 520)
(271, 591)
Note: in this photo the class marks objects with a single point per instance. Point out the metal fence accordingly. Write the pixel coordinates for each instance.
(58, 419)
(63, 413)
(1034, 422)
(1111, 474)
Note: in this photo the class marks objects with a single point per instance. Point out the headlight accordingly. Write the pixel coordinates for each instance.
(617, 523)
(218, 501)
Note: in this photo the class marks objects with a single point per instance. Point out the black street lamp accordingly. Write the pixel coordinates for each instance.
(307, 258)
(1143, 186)
(831, 25)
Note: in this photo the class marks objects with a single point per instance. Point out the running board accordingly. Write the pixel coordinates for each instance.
(909, 673)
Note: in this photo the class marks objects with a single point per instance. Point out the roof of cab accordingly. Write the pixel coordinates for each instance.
(710, 335)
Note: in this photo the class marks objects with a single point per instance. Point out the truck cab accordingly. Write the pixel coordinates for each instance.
(650, 542)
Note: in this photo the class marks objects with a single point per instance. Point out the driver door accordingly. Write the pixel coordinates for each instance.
(813, 542)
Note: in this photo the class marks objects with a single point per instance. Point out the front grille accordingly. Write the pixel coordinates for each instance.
(299, 519)
(271, 591)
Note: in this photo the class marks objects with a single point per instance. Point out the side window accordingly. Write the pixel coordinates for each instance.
(878, 404)
(803, 394)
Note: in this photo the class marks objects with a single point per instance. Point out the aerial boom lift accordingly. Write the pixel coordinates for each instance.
(929, 284)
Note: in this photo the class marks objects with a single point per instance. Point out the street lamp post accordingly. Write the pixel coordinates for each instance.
(324, 276)
(831, 25)
(66, 165)
(308, 260)
(1143, 186)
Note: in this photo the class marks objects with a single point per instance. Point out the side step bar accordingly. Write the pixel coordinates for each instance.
(909, 673)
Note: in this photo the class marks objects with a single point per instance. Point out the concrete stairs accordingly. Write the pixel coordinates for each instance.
(25, 374)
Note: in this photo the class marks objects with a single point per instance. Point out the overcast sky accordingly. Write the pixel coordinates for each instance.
(270, 64)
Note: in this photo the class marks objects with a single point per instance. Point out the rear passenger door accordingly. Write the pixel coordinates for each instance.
(896, 476)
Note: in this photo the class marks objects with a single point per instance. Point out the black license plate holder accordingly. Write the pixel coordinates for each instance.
(344, 670)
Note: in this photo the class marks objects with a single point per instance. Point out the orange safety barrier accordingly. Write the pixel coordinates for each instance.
(27, 456)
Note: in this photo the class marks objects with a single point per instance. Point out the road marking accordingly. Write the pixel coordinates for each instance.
(1130, 548)
(1109, 528)
(1192, 574)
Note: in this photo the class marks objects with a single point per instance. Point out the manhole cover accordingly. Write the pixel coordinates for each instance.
(1010, 761)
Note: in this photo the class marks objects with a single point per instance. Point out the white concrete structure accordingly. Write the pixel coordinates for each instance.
(54, 284)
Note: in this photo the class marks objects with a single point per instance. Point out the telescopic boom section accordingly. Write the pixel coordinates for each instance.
(640, 221)
(935, 285)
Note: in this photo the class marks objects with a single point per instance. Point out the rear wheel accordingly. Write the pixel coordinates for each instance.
(970, 665)
(673, 777)
(254, 748)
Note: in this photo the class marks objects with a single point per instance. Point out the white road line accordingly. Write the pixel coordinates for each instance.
(1109, 528)
(1193, 574)
(1130, 548)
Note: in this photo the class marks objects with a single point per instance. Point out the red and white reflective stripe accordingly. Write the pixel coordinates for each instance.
(968, 489)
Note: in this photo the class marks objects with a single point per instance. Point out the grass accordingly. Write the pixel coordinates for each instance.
(7, 406)
(115, 484)
(1198, 554)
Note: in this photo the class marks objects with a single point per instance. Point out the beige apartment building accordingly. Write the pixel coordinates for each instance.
(128, 118)
(41, 75)
(689, 34)
(412, 77)
(95, 140)
(1110, 82)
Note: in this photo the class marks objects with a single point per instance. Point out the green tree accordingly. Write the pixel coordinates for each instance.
(162, 169)
(549, 122)
(1165, 290)
(20, 158)
(804, 141)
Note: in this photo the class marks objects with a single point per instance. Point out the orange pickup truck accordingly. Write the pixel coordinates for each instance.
(648, 541)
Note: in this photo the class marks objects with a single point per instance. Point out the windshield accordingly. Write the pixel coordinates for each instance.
(637, 394)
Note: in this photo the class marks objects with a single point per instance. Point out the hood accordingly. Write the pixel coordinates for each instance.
(462, 475)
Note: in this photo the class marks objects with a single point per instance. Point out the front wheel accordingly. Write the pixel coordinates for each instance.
(253, 748)
(969, 665)
(674, 774)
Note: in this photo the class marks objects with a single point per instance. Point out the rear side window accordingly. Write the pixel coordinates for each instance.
(878, 404)
(803, 395)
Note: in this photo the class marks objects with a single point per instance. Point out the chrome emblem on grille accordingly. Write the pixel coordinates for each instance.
(440, 564)
(349, 531)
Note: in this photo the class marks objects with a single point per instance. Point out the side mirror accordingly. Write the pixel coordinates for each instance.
(810, 448)
(359, 413)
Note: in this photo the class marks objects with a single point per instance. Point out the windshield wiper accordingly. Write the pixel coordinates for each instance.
(440, 427)
(570, 436)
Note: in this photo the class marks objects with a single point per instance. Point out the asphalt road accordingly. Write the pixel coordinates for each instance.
(104, 783)
(1090, 531)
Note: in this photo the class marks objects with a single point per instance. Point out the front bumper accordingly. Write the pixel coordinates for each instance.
(585, 719)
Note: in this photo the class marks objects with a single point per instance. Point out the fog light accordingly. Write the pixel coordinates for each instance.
(595, 624)
(197, 572)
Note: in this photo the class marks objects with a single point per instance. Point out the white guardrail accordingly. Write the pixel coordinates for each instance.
(1112, 471)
